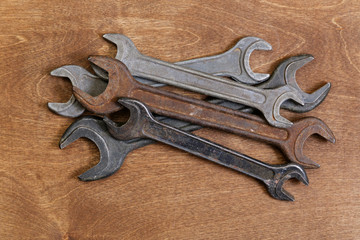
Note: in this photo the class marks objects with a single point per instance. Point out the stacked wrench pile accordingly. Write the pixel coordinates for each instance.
(133, 80)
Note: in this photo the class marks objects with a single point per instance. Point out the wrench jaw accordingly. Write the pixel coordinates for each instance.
(308, 126)
(273, 114)
(80, 78)
(291, 106)
(139, 114)
(125, 47)
(285, 73)
(290, 79)
(112, 154)
(245, 47)
(248, 45)
(282, 174)
(72, 108)
(105, 102)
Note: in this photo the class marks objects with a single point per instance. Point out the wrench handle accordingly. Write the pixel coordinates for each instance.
(208, 150)
(209, 115)
(196, 81)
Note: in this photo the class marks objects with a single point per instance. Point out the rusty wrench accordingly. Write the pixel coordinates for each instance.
(142, 124)
(121, 84)
(127, 52)
(233, 63)
(269, 105)
(268, 101)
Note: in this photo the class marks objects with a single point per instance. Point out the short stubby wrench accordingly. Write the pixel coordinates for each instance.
(269, 105)
(234, 63)
(127, 52)
(121, 84)
(142, 124)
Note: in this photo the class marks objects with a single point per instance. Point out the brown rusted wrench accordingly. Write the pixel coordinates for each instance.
(121, 84)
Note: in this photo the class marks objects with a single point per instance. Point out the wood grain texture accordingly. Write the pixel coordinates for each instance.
(160, 192)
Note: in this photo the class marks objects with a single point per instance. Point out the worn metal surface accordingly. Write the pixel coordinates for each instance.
(150, 68)
(229, 63)
(269, 105)
(121, 84)
(142, 124)
(234, 63)
(83, 79)
(268, 101)
(112, 151)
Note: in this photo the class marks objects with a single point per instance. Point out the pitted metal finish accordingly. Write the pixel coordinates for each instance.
(142, 124)
(126, 47)
(83, 79)
(121, 84)
(268, 101)
(270, 107)
(112, 151)
(234, 63)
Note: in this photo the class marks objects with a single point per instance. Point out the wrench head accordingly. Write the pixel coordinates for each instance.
(80, 78)
(112, 151)
(125, 47)
(285, 75)
(283, 173)
(120, 81)
(133, 128)
(275, 98)
(247, 46)
(306, 127)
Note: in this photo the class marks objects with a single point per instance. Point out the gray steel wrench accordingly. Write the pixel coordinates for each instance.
(125, 47)
(233, 63)
(142, 124)
(113, 152)
(94, 85)
(268, 101)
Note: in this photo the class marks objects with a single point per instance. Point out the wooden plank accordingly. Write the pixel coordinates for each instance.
(160, 192)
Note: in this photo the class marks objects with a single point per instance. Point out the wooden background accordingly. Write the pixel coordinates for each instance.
(161, 192)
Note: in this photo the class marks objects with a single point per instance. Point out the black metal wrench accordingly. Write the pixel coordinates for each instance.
(142, 124)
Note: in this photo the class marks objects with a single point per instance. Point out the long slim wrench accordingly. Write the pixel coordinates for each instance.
(87, 82)
(127, 52)
(142, 124)
(233, 63)
(277, 79)
(240, 54)
(112, 151)
(265, 100)
(270, 105)
(121, 84)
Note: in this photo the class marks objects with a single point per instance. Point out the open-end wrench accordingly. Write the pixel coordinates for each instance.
(112, 151)
(233, 63)
(84, 80)
(269, 103)
(264, 100)
(127, 53)
(142, 124)
(121, 84)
